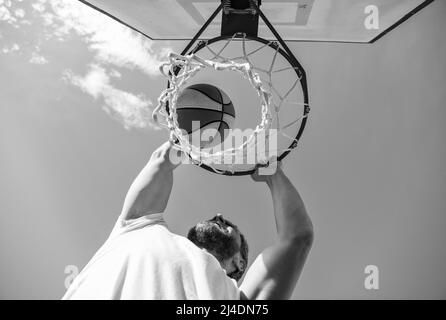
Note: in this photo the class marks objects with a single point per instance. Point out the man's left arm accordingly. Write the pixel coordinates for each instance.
(274, 274)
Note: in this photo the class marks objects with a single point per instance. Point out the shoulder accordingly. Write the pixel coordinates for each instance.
(126, 225)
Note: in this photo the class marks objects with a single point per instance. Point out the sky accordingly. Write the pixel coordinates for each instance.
(76, 95)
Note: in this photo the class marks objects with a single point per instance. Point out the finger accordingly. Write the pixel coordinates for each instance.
(261, 165)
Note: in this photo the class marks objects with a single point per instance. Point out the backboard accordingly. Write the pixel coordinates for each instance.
(295, 20)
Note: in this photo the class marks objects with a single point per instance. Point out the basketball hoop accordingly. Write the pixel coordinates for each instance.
(222, 54)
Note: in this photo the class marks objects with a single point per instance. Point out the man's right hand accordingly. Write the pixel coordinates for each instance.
(167, 155)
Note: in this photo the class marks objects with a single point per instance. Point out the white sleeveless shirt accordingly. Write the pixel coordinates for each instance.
(142, 259)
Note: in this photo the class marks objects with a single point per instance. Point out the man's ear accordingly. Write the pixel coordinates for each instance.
(241, 265)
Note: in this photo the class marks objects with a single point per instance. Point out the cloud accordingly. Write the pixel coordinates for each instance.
(112, 43)
(11, 15)
(19, 13)
(5, 13)
(38, 59)
(133, 111)
(39, 6)
(113, 46)
(15, 47)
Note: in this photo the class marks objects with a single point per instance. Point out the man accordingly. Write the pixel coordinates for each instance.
(142, 259)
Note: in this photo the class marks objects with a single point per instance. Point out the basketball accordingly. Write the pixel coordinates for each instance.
(210, 106)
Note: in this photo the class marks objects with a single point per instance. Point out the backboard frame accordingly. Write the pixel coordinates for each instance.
(219, 8)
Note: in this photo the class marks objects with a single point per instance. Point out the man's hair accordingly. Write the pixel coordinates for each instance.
(244, 249)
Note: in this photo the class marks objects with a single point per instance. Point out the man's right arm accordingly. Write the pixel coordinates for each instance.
(150, 191)
(275, 272)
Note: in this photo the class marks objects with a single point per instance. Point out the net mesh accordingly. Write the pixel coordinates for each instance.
(276, 84)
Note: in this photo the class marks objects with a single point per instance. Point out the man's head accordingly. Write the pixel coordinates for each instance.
(224, 241)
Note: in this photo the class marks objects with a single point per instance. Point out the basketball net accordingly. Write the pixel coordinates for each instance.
(241, 159)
